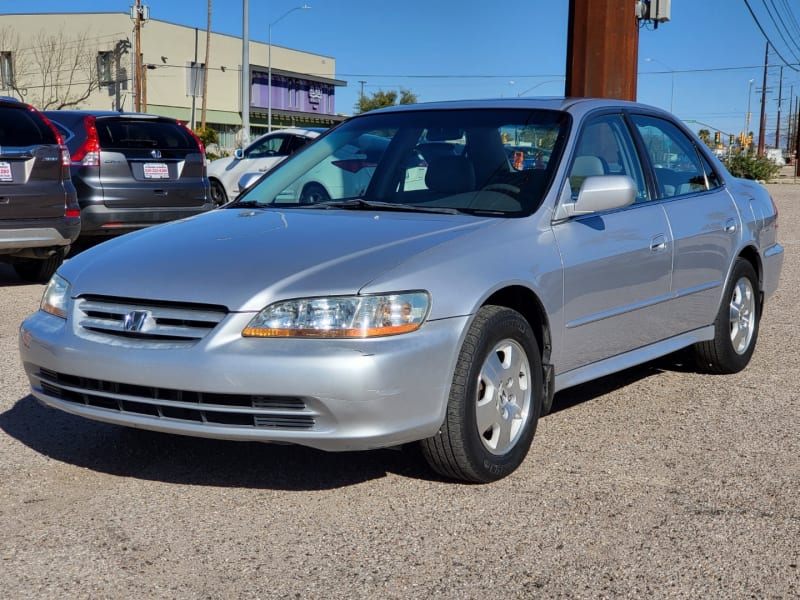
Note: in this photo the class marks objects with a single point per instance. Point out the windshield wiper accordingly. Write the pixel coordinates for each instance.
(361, 204)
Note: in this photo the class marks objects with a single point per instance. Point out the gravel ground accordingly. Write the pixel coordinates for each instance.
(655, 482)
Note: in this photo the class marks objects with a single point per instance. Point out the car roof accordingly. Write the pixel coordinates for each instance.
(107, 113)
(566, 104)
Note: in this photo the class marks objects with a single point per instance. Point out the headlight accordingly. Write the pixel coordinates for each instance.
(342, 316)
(56, 297)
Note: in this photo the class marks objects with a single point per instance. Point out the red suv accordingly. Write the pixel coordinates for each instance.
(39, 213)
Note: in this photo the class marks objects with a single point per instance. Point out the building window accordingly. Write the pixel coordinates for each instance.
(195, 72)
(6, 70)
(104, 62)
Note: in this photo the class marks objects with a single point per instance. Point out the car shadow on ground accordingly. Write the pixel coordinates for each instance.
(129, 452)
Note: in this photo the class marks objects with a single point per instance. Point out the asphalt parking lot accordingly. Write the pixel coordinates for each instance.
(656, 482)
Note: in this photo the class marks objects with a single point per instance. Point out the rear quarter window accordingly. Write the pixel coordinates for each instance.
(21, 127)
(143, 134)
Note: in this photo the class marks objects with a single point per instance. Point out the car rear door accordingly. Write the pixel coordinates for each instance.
(702, 216)
(617, 264)
(31, 184)
(150, 163)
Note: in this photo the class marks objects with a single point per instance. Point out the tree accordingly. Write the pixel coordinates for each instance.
(705, 137)
(52, 70)
(381, 99)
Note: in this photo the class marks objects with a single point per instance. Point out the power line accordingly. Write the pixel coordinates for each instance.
(764, 33)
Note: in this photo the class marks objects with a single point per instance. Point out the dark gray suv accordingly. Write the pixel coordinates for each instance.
(39, 213)
(133, 170)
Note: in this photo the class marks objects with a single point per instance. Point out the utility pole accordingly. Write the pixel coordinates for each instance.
(778, 126)
(602, 49)
(137, 59)
(245, 72)
(762, 128)
(205, 69)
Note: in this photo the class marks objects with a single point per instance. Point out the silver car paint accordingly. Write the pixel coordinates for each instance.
(371, 393)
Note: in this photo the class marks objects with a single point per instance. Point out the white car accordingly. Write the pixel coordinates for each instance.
(260, 156)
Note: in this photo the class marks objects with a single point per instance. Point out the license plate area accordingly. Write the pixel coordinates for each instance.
(5, 171)
(156, 170)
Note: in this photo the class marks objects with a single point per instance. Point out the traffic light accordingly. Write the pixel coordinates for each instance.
(749, 140)
(732, 140)
(741, 139)
(716, 138)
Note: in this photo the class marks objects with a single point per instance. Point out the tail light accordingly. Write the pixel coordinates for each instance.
(774, 210)
(354, 165)
(88, 153)
(63, 151)
(198, 140)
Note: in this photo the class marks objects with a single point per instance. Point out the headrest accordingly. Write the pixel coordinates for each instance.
(450, 174)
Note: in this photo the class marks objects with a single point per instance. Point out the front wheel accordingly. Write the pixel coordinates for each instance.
(736, 325)
(218, 195)
(314, 193)
(494, 403)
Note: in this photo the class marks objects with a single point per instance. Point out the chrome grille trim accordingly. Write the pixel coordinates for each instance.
(224, 410)
(165, 322)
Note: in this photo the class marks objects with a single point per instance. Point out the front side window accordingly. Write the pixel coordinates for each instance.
(270, 146)
(605, 147)
(497, 161)
(676, 161)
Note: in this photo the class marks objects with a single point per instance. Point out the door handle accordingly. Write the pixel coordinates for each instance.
(658, 243)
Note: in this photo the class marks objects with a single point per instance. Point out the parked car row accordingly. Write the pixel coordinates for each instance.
(90, 173)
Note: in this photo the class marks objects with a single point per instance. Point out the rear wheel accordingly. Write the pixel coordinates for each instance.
(218, 195)
(314, 193)
(39, 270)
(736, 325)
(494, 403)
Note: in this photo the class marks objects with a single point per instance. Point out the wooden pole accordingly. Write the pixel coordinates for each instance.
(602, 49)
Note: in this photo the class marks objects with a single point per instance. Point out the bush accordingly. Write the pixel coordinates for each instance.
(752, 167)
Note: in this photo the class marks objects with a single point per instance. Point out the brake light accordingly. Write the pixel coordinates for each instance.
(196, 139)
(88, 153)
(354, 165)
(63, 151)
(72, 213)
(774, 209)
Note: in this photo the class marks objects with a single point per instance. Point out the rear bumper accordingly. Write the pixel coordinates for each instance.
(31, 234)
(772, 263)
(102, 220)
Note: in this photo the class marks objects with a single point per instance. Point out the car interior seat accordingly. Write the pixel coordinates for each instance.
(450, 175)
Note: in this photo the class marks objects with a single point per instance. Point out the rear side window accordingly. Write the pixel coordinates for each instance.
(22, 127)
(675, 158)
(127, 134)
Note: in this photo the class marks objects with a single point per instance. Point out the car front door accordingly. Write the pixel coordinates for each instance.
(703, 218)
(617, 264)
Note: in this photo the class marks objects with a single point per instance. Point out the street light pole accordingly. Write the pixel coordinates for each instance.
(269, 61)
(747, 114)
(530, 89)
(672, 85)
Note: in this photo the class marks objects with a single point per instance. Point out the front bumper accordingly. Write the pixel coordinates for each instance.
(329, 394)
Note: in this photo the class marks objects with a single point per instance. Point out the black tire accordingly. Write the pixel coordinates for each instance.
(218, 195)
(39, 270)
(736, 326)
(460, 450)
(314, 193)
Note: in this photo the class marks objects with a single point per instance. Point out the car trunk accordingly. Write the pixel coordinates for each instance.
(149, 164)
(31, 183)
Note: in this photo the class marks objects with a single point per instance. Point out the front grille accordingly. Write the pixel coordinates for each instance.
(237, 410)
(144, 321)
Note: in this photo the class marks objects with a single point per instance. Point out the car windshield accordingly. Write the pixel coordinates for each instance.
(482, 161)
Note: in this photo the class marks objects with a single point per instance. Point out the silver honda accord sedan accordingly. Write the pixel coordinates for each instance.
(430, 273)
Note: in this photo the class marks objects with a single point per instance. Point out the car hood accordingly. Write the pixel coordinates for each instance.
(244, 259)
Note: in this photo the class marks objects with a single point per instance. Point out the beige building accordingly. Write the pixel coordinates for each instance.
(86, 60)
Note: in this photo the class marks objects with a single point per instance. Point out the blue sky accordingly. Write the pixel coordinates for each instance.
(701, 62)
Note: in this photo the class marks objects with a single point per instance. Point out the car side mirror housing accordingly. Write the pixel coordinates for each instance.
(247, 180)
(599, 193)
(238, 154)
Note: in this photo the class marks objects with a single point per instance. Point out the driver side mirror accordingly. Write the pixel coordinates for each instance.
(238, 154)
(599, 193)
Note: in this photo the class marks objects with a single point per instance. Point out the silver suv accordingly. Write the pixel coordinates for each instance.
(39, 212)
(133, 170)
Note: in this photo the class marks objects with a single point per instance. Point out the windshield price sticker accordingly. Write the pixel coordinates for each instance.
(5, 172)
(156, 171)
